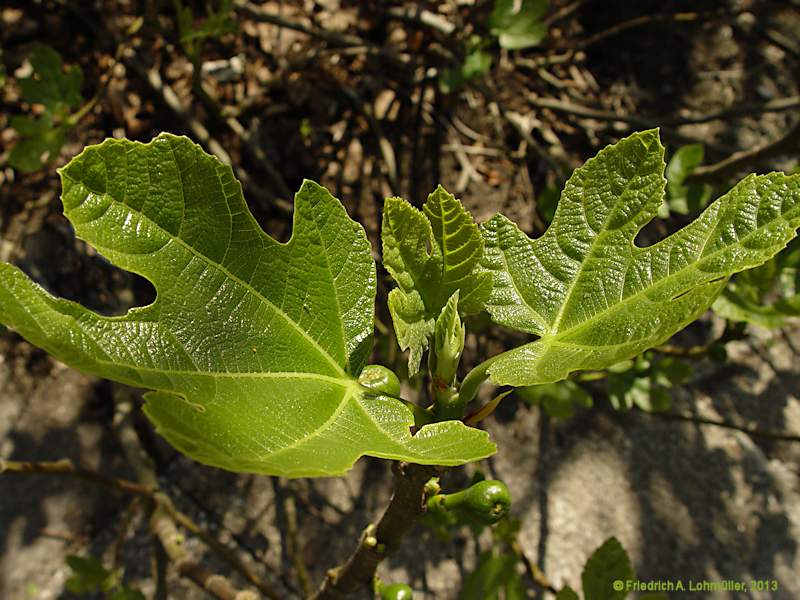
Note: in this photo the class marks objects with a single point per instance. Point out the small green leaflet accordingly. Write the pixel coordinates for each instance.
(518, 23)
(430, 254)
(609, 563)
(477, 61)
(495, 574)
(218, 22)
(40, 141)
(768, 296)
(685, 198)
(252, 346)
(567, 593)
(89, 576)
(643, 382)
(557, 399)
(58, 90)
(591, 295)
(607, 575)
(51, 85)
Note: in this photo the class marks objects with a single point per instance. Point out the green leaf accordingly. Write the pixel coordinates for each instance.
(40, 141)
(768, 296)
(735, 305)
(609, 563)
(126, 593)
(591, 295)
(547, 202)
(252, 346)
(671, 371)
(476, 62)
(518, 23)
(88, 575)
(683, 198)
(622, 389)
(557, 399)
(567, 593)
(494, 574)
(430, 254)
(217, 23)
(641, 382)
(50, 84)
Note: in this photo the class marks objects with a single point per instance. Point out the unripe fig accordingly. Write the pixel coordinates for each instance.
(380, 379)
(396, 591)
(487, 501)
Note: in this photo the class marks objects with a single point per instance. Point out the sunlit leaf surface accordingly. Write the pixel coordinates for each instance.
(252, 346)
(591, 295)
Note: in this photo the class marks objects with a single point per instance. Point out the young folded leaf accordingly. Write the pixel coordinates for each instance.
(252, 345)
(592, 296)
(448, 344)
(430, 254)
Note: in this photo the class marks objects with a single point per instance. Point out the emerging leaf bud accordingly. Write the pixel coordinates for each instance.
(448, 344)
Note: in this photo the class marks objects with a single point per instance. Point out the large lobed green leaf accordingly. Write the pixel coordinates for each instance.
(592, 296)
(251, 345)
(431, 254)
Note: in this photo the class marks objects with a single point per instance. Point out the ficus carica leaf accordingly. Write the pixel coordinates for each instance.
(591, 295)
(252, 346)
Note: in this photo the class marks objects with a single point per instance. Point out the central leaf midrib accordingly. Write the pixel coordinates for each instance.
(218, 266)
(343, 381)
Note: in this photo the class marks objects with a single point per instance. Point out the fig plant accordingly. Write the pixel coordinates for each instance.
(255, 350)
(58, 92)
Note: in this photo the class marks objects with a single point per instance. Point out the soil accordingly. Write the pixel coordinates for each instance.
(688, 501)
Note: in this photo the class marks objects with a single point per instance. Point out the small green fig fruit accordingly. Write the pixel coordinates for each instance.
(396, 591)
(380, 379)
(487, 501)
